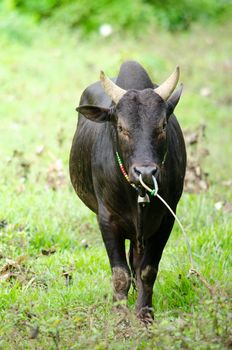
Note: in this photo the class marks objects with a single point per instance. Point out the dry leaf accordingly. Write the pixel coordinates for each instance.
(21, 259)
(48, 251)
(227, 183)
(68, 275)
(13, 268)
(6, 276)
(3, 224)
(34, 332)
(227, 207)
(55, 175)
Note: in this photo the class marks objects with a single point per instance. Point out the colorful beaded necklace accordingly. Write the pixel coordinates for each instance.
(123, 170)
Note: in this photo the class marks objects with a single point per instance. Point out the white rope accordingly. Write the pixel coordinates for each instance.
(155, 193)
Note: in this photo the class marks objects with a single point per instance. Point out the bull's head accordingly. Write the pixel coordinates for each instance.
(140, 119)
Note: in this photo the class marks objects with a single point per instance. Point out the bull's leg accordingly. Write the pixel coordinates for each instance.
(148, 269)
(114, 241)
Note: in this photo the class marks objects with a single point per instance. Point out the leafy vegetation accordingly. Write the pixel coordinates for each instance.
(55, 282)
(132, 15)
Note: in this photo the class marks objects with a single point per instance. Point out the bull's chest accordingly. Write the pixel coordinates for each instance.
(130, 217)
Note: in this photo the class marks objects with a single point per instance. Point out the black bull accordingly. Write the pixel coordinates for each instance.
(137, 122)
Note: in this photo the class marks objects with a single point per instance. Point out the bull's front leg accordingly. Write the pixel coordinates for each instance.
(145, 282)
(114, 241)
(147, 271)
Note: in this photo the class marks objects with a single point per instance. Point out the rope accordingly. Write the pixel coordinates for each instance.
(192, 270)
(153, 193)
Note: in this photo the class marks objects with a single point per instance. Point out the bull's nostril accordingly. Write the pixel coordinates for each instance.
(154, 171)
(137, 171)
(147, 172)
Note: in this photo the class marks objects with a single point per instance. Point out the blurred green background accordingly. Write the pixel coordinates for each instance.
(55, 281)
(132, 15)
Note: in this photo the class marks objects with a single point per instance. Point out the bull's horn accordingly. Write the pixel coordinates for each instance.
(166, 89)
(111, 89)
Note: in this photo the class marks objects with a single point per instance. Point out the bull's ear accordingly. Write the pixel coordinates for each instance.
(95, 113)
(173, 100)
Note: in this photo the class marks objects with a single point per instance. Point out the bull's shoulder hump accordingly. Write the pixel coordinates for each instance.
(133, 76)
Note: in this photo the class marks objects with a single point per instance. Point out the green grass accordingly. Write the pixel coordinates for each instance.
(43, 73)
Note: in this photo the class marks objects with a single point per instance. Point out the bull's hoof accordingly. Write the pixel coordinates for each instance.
(146, 315)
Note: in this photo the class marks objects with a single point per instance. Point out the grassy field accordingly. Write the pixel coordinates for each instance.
(55, 281)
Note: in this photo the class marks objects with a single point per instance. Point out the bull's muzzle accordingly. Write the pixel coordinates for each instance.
(146, 171)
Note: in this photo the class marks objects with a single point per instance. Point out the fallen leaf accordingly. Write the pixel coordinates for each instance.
(227, 207)
(34, 332)
(3, 223)
(55, 175)
(15, 269)
(48, 251)
(227, 183)
(68, 275)
(21, 188)
(21, 259)
(6, 276)
(10, 265)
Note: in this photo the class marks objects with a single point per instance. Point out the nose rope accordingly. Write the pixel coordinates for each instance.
(143, 199)
(154, 192)
(192, 270)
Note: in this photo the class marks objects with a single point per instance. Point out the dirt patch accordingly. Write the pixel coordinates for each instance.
(196, 179)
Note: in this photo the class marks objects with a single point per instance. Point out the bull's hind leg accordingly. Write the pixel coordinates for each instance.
(112, 235)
